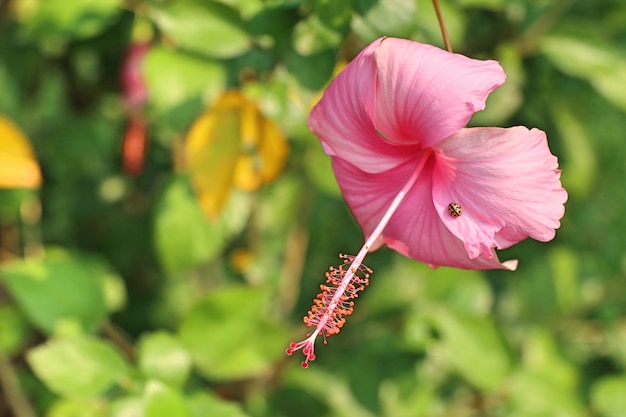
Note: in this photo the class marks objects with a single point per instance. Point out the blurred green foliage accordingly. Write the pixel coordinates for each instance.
(141, 307)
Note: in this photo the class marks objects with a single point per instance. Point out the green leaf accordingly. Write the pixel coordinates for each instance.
(580, 165)
(320, 171)
(52, 23)
(608, 395)
(10, 202)
(546, 384)
(163, 357)
(508, 98)
(229, 335)
(77, 367)
(77, 408)
(334, 14)
(464, 291)
(474, 347)
(128, 406)
(487, 4)
(532, 395)
(59, 288)
(202, 404)
(566, 269)
(14, 330)
(311, 36)
(203, 26)
(312, 71)
(173, 78)
(163, 401)
(384, 18)
(183, 236)
(599, 62)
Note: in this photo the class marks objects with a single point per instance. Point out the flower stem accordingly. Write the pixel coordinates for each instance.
(444, 33)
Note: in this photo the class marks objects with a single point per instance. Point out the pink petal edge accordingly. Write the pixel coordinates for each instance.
(415, 230)
(343, 118)
(507, 183)
(425, 94)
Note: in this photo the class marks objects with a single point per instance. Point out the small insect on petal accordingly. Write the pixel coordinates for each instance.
(454, 209)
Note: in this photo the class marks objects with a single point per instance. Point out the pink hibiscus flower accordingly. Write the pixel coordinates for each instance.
(416, 179)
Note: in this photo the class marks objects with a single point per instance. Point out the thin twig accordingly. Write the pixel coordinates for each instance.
(295, 257)
(17, 400)
(444, 33)
(117, 337)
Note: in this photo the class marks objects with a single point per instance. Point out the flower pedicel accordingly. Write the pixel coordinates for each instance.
(393, 123)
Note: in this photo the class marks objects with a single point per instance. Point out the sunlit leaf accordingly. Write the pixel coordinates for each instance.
(320, 171)
(53, 22)
(18, 164)
(608, 395)
(232, 145)
(566, 269)
(602, 64)
(312, 71)
(488, 4)
(546, 384)
(475, 347)
(77, 367)
(580, 166)
(312, 36)
(384, 18)
(163, 357)
(508, 98)
(58, 288)
(66, 407)
(14, 330)
(163, 401)
(203, 404)
(203, 26)
(174, 77)
(127, 406)
(230, 335)
(333, 13)
(182, 236)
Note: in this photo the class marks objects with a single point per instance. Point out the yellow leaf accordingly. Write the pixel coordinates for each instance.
(265, 151)
(232, 145)
(18, 165)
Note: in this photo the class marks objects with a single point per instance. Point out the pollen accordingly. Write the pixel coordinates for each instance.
(333, 304)
(330, 307)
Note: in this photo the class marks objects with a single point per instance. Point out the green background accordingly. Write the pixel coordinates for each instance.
(139, 309)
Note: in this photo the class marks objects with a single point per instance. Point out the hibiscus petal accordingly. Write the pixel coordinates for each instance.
(506, 182)
(425, 94)
(343, 118)
(415, 230)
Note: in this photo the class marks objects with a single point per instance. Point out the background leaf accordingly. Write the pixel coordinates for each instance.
(206, 27)
(474, 347)
(163, 401)
(163, 357)
(78, 366)
(229, 336)
(41, 287)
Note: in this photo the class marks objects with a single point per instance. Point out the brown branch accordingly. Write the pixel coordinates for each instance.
(444, 33)
(17, 400)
